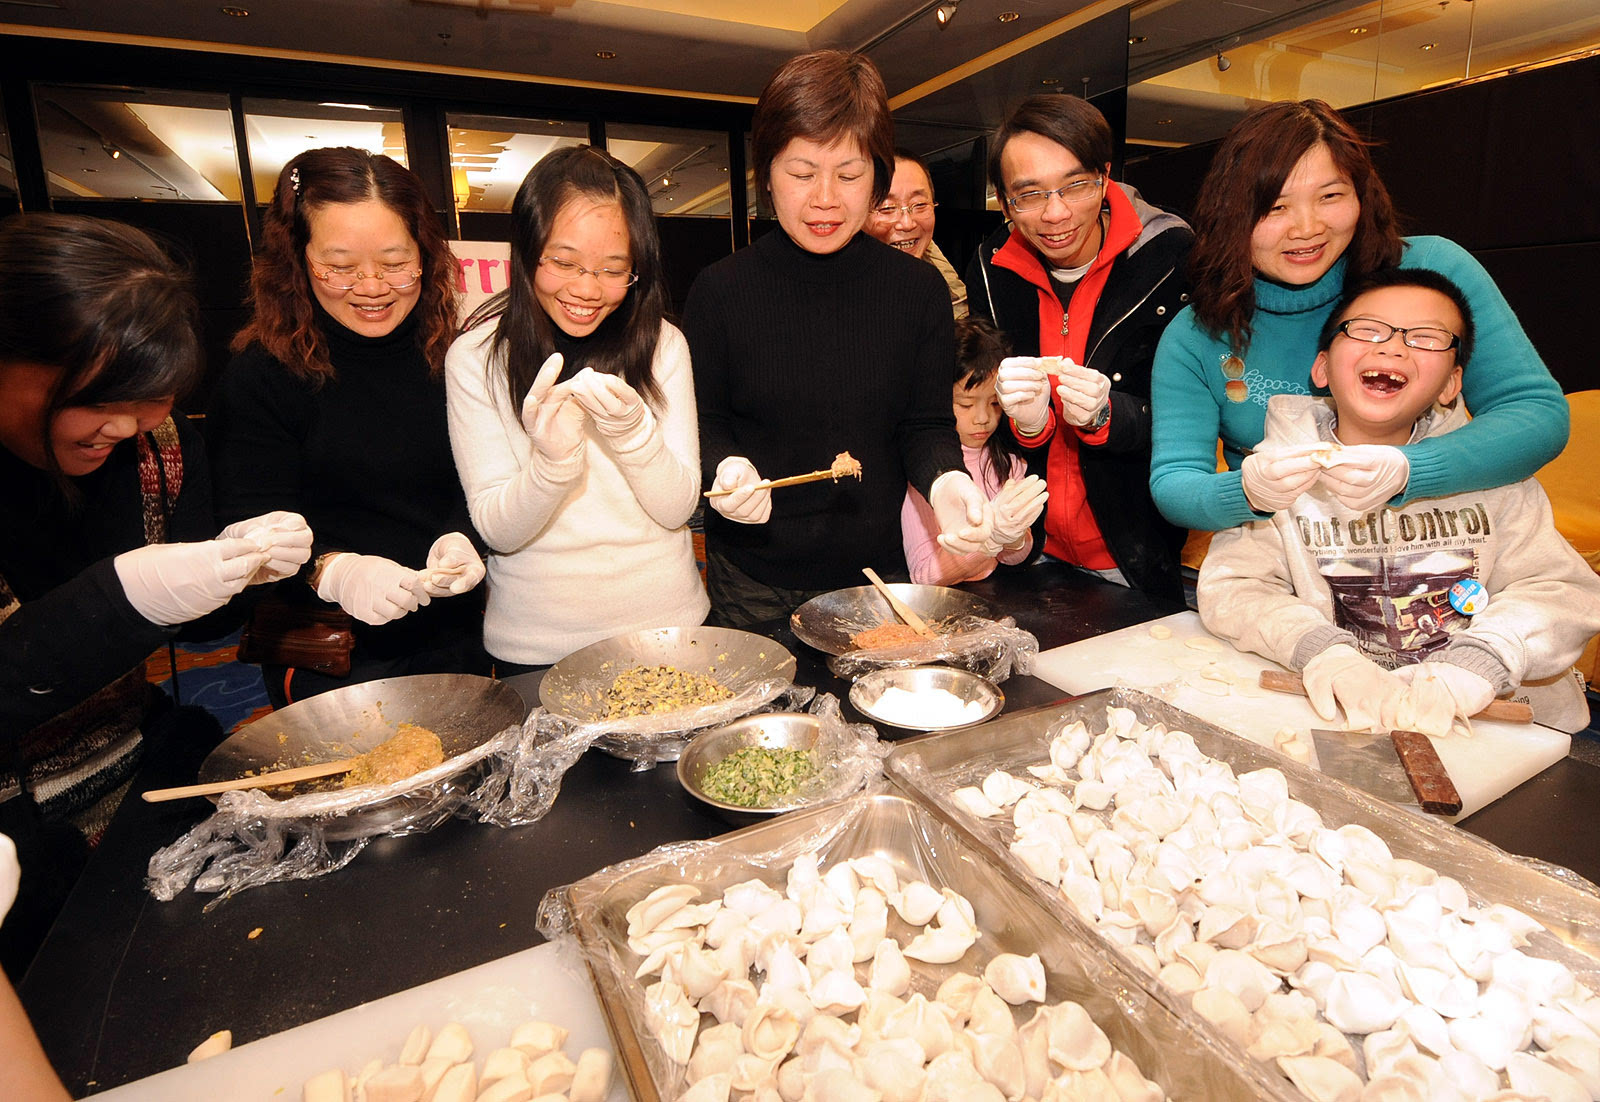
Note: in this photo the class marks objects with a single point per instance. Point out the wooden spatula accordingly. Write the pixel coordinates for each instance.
(261, 780)
(901, 609)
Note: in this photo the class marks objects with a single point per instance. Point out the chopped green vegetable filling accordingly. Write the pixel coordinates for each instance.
(755, 776)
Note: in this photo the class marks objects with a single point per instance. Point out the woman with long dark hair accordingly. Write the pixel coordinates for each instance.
(1291, 210)
(334, 407)
(107, 543)
(572, 418)
(819, 339)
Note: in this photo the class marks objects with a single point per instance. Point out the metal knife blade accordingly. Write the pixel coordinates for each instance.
(1366, 761)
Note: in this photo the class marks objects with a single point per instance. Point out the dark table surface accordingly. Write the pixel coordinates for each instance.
(125, 986)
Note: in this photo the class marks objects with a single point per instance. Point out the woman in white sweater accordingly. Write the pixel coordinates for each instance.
(572, 421)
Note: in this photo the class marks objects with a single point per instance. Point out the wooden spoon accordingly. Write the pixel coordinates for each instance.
(917, 623)
(262, 780)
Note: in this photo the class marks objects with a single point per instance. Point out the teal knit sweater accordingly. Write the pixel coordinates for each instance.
(1520, 416)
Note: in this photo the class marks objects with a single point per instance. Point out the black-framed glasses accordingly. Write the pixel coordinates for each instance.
(400, 277)
(615, 278)
(895, 210)
(1074, 194)
(1428, 338)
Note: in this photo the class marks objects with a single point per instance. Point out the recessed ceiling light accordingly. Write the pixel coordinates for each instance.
(233, 10)
(1360, 30)
(605, 55)
(1136, 39)
(1163, 122)
(1009, 16)
(1047, 81)
(1428, 46)
(444, 36)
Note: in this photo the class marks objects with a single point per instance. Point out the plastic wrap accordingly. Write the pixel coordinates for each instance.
(935, 766)
(253, 838)
(989, 648)
(918, 845)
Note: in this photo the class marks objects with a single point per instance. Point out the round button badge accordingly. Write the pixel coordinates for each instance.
(1469, 597)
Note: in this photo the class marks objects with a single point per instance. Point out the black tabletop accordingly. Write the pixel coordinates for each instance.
(125, 985)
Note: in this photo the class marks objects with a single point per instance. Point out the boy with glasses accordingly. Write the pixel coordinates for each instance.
(1414, 616)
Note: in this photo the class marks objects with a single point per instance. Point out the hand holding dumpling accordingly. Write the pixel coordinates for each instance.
(373, 589)
(453, 568)
(173, 583)
(1274, 477)
(1364, 476)
(284, 536)
(965, 516)
(554, 420)
(1023, 388)
(1016, 507)
(1084, 394)
(618, 411)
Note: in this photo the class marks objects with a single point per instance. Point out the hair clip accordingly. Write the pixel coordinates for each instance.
(294, 180)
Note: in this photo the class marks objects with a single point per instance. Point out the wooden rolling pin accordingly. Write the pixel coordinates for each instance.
(1510, 711)
(261, 780)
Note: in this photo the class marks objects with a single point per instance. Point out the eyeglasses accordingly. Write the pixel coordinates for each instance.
(399, 277)
(1372, 331)
(1076, 193)
(894, 210)
(615, 278)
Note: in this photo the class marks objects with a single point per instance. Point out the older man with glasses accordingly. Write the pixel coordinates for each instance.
(1082, 279)
(905, 220)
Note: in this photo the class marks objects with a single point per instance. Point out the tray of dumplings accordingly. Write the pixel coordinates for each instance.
(1352, 948)
(866, 950)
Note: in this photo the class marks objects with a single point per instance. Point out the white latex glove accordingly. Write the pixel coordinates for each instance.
(1274, 477)
(552, 416)
(1343, 677)
(618, 411)
(747, 504)
(1364, 476)
(1024, 392)
(373, 589)
(1438, 694)
(965, 516)
(453, 566)
(173, 583)
(1016, 507)
(285, 537)
(1083, 391)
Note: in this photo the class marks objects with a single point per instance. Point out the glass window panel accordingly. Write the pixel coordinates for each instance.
(1513, 32)
(489, 156)
(136, 143)
(278, 129)
(685, 170)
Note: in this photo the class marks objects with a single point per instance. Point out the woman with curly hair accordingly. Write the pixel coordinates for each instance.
(334, 407)
(1292, 211)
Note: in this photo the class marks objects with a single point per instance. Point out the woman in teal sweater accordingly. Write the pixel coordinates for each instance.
(1290, 209)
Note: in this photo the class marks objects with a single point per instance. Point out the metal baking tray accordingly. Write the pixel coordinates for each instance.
(931, 767)
(1169, 1049)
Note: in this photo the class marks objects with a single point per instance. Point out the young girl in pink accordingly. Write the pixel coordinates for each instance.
(997, 470)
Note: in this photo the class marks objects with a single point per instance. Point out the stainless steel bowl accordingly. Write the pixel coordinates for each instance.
(827, 622)
(773, 730)
(741, 661)
(464, 710)
(868, 691)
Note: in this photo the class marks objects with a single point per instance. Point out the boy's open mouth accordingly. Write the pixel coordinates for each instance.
(1383, 382)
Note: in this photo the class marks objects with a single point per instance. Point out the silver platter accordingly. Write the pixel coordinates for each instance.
(827, 622)
(741, 661)
(464, 710)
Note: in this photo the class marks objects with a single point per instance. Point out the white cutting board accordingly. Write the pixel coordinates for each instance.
(548, 982)
(1495, 760)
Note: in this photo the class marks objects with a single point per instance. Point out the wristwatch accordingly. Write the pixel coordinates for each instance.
(1100, 418)
(318, 565)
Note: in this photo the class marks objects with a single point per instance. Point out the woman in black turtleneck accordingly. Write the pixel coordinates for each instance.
(820, 339)
(334, 408)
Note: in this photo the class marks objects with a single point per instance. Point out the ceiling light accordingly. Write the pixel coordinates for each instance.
(110, 150)
(236, 12)
(1360, 30)
(1049, 81)
(1163, 122)
(605, 55)
(1223, 64)
(1428, 46)
(666, 181)
(946, 12)
(1137, 39)
(1009, 16)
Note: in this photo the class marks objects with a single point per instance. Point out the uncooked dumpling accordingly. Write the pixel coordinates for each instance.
(1016, 979)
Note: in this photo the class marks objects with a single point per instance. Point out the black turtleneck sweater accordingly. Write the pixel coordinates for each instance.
(365, 459)
(798, 357)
